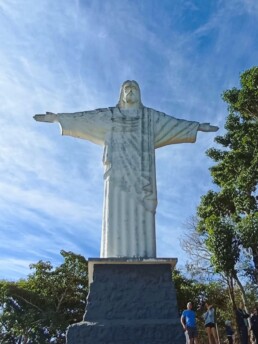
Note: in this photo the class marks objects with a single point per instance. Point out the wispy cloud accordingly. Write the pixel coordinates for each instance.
(73, 56)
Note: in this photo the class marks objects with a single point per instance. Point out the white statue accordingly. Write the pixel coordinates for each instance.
(129, 132)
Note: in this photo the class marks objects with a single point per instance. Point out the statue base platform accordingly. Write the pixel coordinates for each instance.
(131, 301)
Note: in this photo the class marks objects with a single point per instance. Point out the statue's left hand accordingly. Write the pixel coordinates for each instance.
(48, 117)
(206, 127)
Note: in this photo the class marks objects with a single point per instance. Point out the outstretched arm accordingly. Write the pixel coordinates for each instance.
(49, 117)
(183, 322)
(86, 125)
(206, 127)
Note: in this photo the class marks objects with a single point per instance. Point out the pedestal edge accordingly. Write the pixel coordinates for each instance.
(124, 261)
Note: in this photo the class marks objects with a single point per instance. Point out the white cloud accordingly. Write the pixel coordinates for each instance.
(72, 56)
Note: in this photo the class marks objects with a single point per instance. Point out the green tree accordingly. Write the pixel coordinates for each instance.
(245, 100)
(229, 217)
(41, 307)
(232, 211)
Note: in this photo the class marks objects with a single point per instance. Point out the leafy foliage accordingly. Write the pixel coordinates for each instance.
(245, 100)
(229, 216)
(41, 308)
(223, 245)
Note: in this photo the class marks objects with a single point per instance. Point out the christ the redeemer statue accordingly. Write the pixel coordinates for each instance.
(129, 132)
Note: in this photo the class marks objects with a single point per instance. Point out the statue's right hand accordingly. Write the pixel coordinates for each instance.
(48, 117)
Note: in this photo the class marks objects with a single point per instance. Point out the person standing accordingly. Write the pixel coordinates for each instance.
(254, 324)
(241, 317)
(209, 322)
(229, 331)
(188, 321)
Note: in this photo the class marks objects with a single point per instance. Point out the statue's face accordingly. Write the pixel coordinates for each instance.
(131, 94)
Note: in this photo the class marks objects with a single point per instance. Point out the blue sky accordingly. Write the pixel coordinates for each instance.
(67, 56)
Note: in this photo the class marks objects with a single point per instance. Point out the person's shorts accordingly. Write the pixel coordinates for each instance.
(192, 332)
(210, 325)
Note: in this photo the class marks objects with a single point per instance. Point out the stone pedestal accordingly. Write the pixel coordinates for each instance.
(131, 301)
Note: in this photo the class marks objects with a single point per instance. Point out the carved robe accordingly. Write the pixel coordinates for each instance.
(129, 138)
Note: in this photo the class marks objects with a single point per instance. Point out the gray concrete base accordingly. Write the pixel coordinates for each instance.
(130, 303)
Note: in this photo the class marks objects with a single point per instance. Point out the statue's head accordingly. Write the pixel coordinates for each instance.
(130, 95)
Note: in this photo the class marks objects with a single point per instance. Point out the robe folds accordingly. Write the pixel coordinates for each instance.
(130, 138)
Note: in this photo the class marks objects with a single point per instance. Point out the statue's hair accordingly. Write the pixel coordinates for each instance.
(121, 102)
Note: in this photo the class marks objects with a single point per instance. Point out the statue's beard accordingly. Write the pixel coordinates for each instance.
(131, 98)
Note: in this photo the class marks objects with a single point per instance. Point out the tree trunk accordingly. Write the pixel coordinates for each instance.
(230, 283)
(255, 261)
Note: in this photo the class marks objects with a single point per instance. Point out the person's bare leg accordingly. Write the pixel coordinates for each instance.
(214, 333)
(208, 331)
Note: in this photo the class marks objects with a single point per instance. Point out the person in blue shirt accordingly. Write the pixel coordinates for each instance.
(188, 321)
